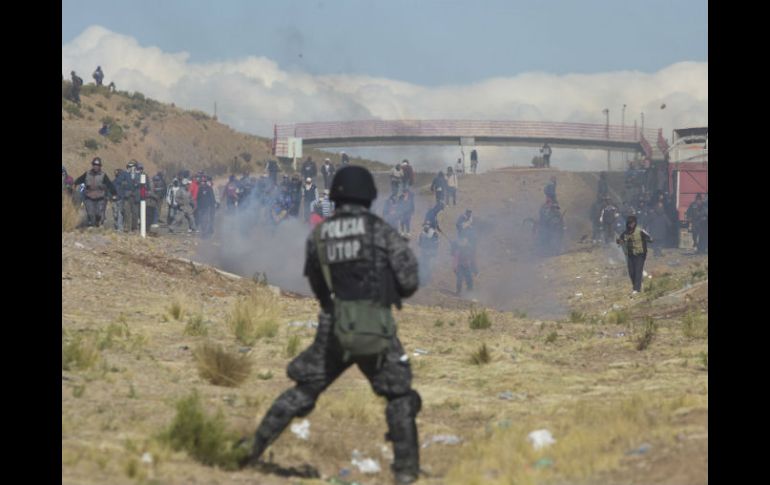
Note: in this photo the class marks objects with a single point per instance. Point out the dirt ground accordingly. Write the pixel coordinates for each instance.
(563, 342)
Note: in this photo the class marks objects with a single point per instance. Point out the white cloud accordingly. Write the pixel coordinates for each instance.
(253, 93)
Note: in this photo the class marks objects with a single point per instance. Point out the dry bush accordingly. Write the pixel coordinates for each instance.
(220, 367)
(254, 317)
(481, 355)
(695, 325)
(648, 333)
(79, 352)
(479, 319)
(196, 326)
(70, 215)
(292, 346)
(205, 438)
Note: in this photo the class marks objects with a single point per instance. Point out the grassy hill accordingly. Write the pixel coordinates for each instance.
(160, 136)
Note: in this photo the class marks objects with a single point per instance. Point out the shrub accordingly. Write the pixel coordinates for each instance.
(78, 353)
(576, 316)
(91, 144)
(220, 367)
(695, 325)
(254, 317)
(704, 359)
(618, 317)
(551, 338)
(292, 346)
(71, 108)
(520, 314)
(479, 319)
(481, 355)
(648, 333)
(176, 310)
(196, 326)
(206, 439)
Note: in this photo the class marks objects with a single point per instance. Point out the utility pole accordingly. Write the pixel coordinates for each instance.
(606, 112)
(623, 125)
(642, 123)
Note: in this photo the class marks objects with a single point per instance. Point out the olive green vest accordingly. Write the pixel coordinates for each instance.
(634, 242)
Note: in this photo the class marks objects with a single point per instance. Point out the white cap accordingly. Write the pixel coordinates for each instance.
(308, 180)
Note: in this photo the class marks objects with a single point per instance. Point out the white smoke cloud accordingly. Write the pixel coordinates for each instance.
(254, 93)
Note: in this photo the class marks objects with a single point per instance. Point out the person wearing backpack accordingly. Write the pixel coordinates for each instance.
(357, 266)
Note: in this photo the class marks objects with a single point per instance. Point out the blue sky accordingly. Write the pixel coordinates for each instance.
(427, 42)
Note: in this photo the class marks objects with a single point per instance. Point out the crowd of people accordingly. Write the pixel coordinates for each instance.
(654, 211)
(190, 201)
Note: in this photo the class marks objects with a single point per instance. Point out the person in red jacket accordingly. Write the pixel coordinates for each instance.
(194, 186)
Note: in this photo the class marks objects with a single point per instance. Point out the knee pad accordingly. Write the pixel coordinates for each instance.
(403, 408)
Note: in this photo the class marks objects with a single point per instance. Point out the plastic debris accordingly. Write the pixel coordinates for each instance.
(642, 449)
(507, 395)
(578, 294)
(302, 430)
(544, 462)
(364, 465)
(541, 438)
(147, 458)
(344, 472)
(420, 352)
(444, 439)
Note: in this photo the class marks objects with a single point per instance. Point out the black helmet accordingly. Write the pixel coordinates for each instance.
(353, 183)
(96, 161)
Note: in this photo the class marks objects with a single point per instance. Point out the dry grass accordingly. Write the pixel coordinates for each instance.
(481, 355)
(479, 319)
(649, 330)
(196, 326)
(79, 352)
(695, 325)
(254, 317)
(220, 367)
(70, 215)
(292, 346)
(591, 437)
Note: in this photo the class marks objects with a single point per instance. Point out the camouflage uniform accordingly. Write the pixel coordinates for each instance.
(383, 269)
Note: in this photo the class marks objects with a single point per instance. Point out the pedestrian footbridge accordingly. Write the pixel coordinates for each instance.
(467, 133)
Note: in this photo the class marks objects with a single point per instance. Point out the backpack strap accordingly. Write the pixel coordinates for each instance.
(320, 246)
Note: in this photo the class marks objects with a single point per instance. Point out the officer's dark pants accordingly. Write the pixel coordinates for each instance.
(394, 187)
(636, 269)
(464, 273)
(95, 209)
(546, 160)
(439, 196)
(319, 365)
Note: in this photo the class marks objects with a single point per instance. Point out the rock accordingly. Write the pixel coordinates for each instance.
(79, 246)
(147, 458)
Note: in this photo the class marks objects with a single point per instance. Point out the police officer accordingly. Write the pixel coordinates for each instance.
(354, 259)
(97, 185)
